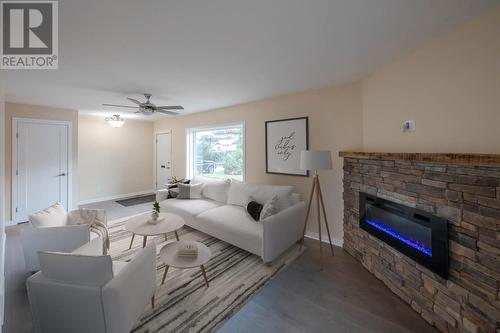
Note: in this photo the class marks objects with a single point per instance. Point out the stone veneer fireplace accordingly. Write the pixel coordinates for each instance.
(462, 189)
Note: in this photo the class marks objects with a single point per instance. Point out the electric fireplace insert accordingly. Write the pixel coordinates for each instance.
(416, 233)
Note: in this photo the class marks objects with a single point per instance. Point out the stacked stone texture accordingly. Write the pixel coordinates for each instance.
(469, 198)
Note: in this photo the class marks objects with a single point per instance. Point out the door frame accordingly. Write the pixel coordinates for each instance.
(14, 181)
(155, 137)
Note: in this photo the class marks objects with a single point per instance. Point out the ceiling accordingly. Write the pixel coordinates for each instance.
(210, 54)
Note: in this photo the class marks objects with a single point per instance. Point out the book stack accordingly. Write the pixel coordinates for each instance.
(187, 250)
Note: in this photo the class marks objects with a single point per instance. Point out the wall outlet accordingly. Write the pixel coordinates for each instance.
(409, 126)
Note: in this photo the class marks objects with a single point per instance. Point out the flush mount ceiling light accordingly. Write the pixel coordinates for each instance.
(115, 121)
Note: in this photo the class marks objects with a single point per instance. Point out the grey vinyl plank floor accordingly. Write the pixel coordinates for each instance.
(343, 297)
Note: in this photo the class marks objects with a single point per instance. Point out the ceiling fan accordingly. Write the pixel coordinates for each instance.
(147, 108)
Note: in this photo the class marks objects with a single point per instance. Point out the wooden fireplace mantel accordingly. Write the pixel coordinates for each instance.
(489, 160)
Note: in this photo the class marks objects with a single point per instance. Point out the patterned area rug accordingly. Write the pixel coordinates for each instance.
(183, 303)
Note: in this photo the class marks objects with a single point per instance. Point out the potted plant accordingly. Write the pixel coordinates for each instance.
(155, 214)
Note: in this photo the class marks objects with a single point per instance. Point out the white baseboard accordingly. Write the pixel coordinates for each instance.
(324, 238)
(115, 197)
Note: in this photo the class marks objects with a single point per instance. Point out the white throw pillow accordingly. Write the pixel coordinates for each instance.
(75, 268)
(213, 188)
(239, 193)
(190, 191)
(270, 208)
(53, 216)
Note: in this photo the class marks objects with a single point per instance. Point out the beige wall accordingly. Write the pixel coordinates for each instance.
(451, 87)
(2, 203)
(334, 124)
(15, 110)
(114, 161)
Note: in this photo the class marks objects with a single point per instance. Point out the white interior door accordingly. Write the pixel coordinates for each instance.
(163, 159)
(41, 163)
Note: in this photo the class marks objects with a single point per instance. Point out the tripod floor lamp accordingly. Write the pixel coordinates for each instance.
(314, 160)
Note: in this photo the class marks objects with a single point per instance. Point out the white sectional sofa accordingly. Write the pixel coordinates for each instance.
(221, 212)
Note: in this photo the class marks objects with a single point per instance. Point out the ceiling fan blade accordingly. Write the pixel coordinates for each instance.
(168, 112)
(121, 106)
(135, 101)
(170, 107)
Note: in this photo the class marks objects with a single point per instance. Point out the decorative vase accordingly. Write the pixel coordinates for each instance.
(154, 217)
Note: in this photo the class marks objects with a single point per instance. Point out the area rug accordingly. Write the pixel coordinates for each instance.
(183, 303)
(137, 200)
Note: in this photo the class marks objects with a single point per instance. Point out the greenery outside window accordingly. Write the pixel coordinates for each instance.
(216, 151)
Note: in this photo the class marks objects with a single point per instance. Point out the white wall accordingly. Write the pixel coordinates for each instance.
(451, 87)
(334, 124)
(114, 162)
(2, 205)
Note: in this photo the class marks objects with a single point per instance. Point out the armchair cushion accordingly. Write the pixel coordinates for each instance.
(76, 269)
(53, 216)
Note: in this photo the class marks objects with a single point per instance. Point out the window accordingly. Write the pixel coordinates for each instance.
(217, 152)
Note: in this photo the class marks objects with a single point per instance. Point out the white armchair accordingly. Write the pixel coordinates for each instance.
(55, 230)
(82, 292)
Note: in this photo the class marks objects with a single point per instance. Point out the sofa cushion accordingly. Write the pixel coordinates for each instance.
(78, 269)
(233, 225)
(213, 188)
(191, 207)
(53, 216)
(239, 193)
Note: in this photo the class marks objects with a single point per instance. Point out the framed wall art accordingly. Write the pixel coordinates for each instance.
(285, 139)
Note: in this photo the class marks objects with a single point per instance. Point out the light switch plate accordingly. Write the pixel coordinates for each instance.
(409, 126)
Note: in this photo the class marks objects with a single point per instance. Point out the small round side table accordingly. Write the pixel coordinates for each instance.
(138, 225)
(168, 254)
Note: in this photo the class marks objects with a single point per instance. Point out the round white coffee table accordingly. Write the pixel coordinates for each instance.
(138, 225)
(168, 254)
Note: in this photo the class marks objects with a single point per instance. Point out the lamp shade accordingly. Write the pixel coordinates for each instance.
(315, 160)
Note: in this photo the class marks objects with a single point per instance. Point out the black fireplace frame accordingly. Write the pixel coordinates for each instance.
(438, 262)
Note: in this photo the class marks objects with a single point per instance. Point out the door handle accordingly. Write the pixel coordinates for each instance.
(62, 174)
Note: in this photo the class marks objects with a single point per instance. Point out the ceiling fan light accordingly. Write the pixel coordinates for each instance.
(115, 121)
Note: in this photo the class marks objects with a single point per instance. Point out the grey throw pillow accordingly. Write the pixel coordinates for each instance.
(270, 208)
(190, 191)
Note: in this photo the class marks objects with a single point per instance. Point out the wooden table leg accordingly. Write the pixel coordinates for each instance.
(131, 241)
(176, 235)
(144, 240)
(204, 274)
(153, 302)
(164, 275)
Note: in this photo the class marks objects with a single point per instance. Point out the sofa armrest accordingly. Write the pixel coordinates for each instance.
(55, 239)
(126, 295)
(282, 230)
